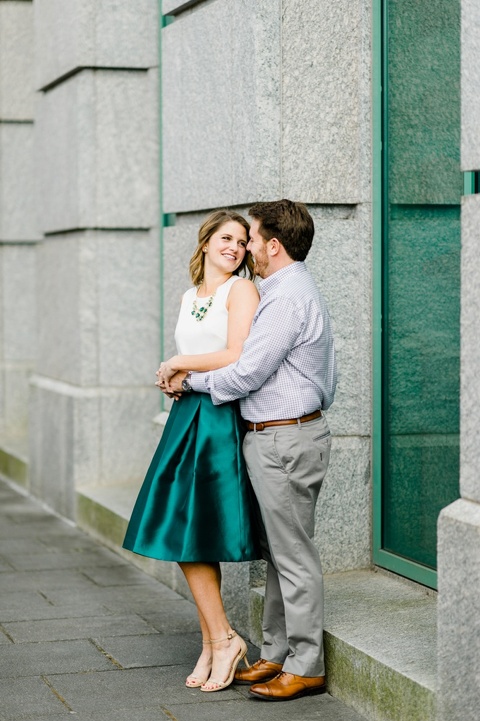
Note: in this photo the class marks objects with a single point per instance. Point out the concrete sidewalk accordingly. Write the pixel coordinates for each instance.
(84, 633)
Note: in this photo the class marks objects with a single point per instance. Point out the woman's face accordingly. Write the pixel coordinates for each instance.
(227, 247)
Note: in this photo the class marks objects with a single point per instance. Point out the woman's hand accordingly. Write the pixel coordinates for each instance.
(169, 382)
(167, 369)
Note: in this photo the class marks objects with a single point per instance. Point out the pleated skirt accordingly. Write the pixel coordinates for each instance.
(196, 502)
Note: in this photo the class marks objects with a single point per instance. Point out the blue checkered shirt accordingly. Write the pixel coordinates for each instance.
(287, 368)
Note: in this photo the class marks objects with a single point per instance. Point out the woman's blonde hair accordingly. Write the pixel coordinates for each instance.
(215, 221)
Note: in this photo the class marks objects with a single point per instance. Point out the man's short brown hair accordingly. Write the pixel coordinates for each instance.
(289, 222)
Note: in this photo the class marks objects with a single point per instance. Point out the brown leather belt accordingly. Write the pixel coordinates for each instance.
(287, 422)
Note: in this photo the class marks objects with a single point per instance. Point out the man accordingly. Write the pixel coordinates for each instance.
(285, 378)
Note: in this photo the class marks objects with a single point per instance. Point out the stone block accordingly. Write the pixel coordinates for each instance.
(178, 246)
(14, 377)
(170, 6)
(97, 152)
(17, 217)
(93, 33)
(13, 467)
(221, 105)
(257, 602)
(340, 261)
(70, 657)
(470, 351)
(36, 697)
(99, 301)
(459, 611)
(35, 631)
(324, 124)
(470, 85)
(16, 61)
(343, 515)
(128, 308)
(17, 302)
(126, 440)
(124, 690)
(86, 437)
(236, 594)
(17, 333)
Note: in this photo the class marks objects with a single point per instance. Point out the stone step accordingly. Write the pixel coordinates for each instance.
(380, 644)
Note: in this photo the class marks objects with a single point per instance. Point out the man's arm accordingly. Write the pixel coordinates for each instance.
(273, 335)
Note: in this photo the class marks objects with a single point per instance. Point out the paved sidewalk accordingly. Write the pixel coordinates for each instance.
(84, 634)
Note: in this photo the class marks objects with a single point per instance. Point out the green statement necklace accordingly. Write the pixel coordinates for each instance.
(200, 313)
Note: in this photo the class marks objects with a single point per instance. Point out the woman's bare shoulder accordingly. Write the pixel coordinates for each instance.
(244, 287)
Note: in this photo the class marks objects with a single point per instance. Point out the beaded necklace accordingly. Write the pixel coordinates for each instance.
(200, 313)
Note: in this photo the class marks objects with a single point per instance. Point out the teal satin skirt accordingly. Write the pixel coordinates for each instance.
(196, 502)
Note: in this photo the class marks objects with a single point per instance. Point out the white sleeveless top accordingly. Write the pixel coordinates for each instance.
(210, 334)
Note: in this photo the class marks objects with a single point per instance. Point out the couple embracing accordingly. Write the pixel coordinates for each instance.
(252, 379)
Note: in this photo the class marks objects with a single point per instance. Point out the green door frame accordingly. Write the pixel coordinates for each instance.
(390, 561)
(382, 558)
(166, 219)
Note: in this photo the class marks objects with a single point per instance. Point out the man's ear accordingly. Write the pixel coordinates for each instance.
(274, 246)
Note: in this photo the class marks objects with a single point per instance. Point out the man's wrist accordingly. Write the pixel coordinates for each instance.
(198, 382)
(186, 387)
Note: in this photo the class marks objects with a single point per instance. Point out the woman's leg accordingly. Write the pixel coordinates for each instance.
(204, 580)
(202, 669)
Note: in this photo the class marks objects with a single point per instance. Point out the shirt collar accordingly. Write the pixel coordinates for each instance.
(274, 280)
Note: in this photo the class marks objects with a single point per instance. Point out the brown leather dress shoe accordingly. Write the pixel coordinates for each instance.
(287, 686)
(261, 670)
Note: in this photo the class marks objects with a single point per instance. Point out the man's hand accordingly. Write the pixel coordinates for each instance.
(172, 387)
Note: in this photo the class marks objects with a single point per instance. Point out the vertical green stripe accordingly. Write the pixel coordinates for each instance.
(469, 183)
(381, 557)
(164, 220)
(377, 274)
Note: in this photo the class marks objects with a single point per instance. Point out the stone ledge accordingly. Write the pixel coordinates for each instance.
(380, 644)
(14, 459)
(104, 512)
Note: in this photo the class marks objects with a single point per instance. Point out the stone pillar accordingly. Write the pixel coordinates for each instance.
(459, 523)
(93, 395)
(18, 231)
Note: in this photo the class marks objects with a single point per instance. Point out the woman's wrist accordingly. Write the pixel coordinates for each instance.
(174, 363)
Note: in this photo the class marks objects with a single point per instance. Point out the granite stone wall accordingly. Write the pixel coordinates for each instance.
(264, 99)
(18, 229)
(261, 99)
(97, 197)
(459, 523)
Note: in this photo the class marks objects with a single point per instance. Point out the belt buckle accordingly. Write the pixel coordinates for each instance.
(258, 427)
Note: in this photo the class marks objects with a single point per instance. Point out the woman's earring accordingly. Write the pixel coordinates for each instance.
(205, 248)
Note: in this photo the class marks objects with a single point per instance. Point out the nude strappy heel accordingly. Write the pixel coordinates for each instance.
(195, 681)
(242, 654)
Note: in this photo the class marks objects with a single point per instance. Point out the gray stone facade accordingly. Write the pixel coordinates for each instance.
(275, 121)
(254, 100)
(18, 229)
(459, 523)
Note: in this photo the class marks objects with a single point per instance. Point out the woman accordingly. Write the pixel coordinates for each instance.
(194, 505)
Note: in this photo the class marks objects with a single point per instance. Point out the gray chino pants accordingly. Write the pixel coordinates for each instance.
(287, 465)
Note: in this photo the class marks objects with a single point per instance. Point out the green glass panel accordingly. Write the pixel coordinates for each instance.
(423, 186)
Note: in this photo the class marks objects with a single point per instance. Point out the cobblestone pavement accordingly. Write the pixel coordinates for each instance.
(85, 634)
